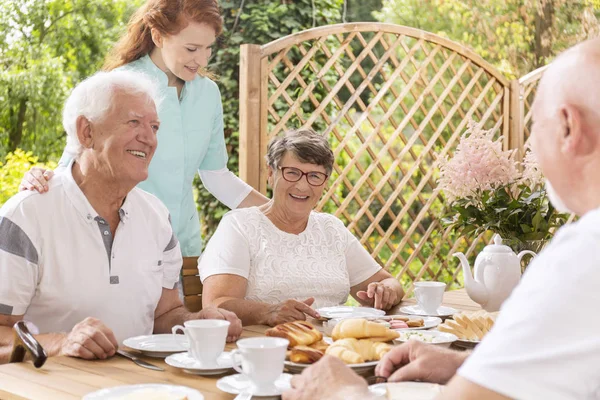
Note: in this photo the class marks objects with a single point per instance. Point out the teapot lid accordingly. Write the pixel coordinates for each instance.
(497, 247)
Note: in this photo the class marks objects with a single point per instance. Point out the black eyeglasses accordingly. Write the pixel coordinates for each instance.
(314, 178)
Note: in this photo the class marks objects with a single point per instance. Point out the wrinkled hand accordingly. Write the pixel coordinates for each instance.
(290, 310)
(329, 378)
(36, 179)
(416, 360)
(235, 327)
(379, 295)
(90, 339)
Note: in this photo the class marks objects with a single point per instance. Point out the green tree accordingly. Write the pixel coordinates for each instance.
(517, 36)
(47, 47)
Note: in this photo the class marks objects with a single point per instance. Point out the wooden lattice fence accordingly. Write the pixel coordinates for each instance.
(393, 101)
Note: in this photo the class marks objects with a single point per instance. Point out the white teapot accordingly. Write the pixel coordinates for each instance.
(497, 272)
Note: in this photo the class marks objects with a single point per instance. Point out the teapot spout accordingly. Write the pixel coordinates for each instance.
(476, 290)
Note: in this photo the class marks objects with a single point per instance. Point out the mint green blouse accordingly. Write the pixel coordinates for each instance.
(190, 138)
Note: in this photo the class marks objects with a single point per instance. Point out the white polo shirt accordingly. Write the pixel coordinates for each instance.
(59, 263)
(546, 341)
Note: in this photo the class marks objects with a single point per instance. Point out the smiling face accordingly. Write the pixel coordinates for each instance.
(295, 199)
(124, 141)
(186, 51)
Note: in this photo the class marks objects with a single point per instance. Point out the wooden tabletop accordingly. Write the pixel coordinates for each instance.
(70, 378)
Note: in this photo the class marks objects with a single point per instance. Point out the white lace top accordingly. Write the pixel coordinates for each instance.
(323, 262)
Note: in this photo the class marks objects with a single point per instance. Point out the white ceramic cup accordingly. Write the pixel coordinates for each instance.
(429, 295)
(261, 360)
(206, 339)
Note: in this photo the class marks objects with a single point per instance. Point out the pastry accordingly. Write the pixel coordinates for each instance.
(354, 351)
(305, 355)
(467, 325)
(299, 333)
(363, 329)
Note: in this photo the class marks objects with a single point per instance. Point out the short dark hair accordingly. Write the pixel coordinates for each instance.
(307, 145)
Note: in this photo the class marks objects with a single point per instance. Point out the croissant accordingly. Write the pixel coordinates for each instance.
(363, 329)
(298, 333)
(305, 355)
(353, 351)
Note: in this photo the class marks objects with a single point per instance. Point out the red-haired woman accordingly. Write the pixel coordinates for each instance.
(171, 41)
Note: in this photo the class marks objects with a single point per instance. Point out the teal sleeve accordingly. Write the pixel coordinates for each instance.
(65, 159)
(216, 155)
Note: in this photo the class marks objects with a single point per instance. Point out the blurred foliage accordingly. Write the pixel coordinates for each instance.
(516, 36)
(12, 170)
(47, 47)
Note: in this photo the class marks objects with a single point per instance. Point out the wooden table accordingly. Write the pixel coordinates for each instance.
(70, 378)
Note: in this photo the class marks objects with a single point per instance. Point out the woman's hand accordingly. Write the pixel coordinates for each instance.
(36, 179)
(379, 295)
(290, 310)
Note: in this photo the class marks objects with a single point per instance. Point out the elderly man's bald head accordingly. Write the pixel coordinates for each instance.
(566, 125)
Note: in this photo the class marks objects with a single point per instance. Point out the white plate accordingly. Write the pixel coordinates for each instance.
(190, 365)
(235, 384)
(424, 391)
(363, 369)
(340, 312)
(443, 311)
(161, 345)
(443, 339)
(117, 392)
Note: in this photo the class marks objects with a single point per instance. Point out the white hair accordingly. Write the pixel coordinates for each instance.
(92, 99)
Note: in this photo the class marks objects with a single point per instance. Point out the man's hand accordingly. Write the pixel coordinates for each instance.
(379, 295)
(416, 360)
(290, 310)
(90, 339)
(235, 327)
(36, 179)
(330, 379)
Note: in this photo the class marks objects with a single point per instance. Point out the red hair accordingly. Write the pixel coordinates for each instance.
(169, 17)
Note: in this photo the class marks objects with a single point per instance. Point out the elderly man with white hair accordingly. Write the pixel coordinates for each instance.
(96, 261)
(546, 341)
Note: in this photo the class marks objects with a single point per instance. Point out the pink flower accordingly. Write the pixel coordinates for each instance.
(532, 174)
(479, 164)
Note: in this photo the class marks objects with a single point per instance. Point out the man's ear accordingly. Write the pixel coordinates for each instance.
(156, 38)
(575, 138)
(84, 132)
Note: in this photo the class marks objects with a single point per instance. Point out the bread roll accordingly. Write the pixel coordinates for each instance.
(305, 355)
(354, 351)
(299, 333)
(363, 329)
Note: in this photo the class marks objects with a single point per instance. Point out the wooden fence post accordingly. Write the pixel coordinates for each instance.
(250, 129)
(516, 139)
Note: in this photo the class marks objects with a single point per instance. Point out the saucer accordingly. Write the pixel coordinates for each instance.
(160, 345)
(192, 366)
(144, 389)
(442, 311)
(236, 384)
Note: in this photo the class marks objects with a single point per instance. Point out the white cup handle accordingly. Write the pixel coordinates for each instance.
(174, 331)
(236, 364)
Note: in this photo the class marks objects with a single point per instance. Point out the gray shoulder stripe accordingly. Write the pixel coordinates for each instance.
(172, 243)
(6, 309)
(14, 241)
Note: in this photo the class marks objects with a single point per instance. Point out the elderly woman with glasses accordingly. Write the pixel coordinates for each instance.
(270, 264)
